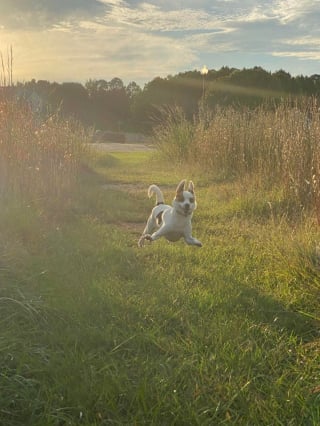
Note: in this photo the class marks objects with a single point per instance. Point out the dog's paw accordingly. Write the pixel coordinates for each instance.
(193, 242)
(197, 243)
(141, 241)
(143, 238)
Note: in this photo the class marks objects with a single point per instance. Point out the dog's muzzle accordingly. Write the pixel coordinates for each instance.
(187, 209)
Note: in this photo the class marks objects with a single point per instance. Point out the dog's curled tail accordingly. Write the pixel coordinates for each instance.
(154, 189)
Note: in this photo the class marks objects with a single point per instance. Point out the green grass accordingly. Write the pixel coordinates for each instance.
(96, 331)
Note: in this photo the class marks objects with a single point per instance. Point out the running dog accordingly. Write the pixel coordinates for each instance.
(171, 222)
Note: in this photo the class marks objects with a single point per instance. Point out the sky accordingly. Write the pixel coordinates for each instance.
(78, 40)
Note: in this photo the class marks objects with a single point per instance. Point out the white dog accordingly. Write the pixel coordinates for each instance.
(173, 222)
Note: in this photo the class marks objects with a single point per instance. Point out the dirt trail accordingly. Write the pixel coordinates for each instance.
(121, 147)
(134, 227)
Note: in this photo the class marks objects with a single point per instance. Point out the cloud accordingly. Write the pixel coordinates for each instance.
(302, 48)
(292, 10)
(152, 18)
(41, 14)
(80, 39)
(305, 41)
(77, 52)
(307, 55)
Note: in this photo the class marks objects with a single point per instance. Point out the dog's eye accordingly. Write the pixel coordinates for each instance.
(191, 200)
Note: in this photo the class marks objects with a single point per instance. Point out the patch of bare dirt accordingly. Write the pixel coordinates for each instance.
(126, 187)
(133, 227)
(121, 147)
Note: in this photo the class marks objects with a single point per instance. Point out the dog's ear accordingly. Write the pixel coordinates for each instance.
(191, 187)
(179, 190)
(180, 187)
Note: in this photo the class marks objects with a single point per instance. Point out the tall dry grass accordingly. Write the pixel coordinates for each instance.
(38, 159)
(174, 136)
(6, 68)
(273, 145)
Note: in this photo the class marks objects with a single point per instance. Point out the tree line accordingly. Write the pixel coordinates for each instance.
(112, 105)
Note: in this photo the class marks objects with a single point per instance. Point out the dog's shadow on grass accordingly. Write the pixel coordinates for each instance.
(264, 309)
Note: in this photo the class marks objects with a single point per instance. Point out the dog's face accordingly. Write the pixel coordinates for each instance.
(185, 200)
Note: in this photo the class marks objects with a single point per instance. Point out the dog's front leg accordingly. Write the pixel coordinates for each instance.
(189, 239)
(192, 241)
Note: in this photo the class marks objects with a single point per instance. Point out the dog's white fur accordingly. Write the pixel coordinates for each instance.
(172, 222)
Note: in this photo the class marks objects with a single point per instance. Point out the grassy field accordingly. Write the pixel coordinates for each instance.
(95, 331)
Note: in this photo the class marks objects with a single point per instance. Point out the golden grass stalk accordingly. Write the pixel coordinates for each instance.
(6, 73)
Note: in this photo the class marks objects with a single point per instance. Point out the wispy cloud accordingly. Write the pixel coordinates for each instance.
(151, 18)
(305, 41)
(314, 55)
(292, 10)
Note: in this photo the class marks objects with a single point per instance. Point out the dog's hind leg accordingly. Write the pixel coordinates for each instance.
(150, 226)
(143, 238)
(150, 237)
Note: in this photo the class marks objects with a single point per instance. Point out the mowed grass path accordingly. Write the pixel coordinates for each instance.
(95, 331)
